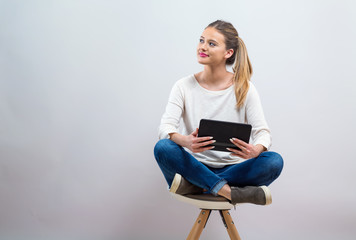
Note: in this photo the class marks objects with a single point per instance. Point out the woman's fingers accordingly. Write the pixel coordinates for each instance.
(202, 144)
(247, 150)
(195, 133)
(245, 147)
(202, 139)
(239, 142)
(237, 153)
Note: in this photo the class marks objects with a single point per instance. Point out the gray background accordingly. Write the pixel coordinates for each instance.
(83, 85)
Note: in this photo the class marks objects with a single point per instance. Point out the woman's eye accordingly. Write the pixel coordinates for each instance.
(201, 40)
(212, 44)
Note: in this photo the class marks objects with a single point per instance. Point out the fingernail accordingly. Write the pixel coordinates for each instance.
(228, 149)
(234, 139)
(211, 137)
(231, 140)
(214, 141)
(212, 147)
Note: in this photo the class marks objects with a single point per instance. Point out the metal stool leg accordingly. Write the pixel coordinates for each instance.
(199, 225)
(229, 224)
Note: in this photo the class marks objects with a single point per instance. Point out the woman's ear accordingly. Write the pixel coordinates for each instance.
(229, 53)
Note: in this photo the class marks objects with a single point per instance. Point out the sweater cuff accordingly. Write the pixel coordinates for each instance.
(266, 144)
(164, 133)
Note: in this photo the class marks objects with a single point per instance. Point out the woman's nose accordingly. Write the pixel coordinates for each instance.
(203, 46)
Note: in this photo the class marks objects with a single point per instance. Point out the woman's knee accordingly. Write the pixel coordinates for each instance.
(163, 146)
(275, 161)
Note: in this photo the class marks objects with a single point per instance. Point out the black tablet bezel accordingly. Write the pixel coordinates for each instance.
(222, 131)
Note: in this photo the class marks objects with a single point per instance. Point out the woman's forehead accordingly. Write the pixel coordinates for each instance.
(213, 34)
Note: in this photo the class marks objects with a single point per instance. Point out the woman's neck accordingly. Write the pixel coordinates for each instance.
(215, 78)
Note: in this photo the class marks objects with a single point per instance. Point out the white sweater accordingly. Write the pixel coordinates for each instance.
(189, 102)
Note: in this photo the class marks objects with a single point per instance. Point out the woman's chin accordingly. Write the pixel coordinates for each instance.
(202, 62)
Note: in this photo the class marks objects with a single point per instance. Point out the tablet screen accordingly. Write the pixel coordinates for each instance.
(222, 131)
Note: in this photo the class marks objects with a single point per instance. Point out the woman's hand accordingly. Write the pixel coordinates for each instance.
(198, 144)
(247, 150)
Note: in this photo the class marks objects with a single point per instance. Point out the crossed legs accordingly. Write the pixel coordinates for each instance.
(172, 159)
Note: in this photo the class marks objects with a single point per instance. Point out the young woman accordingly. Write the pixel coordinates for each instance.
(187, 162)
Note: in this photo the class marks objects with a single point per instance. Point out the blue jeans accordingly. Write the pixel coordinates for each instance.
(172, 159)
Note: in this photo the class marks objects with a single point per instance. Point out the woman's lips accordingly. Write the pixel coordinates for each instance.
(203, 55)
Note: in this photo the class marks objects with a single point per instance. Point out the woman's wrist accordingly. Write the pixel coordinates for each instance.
(261, 148)
(177, 138)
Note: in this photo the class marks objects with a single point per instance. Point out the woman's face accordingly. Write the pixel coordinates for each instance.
(211, 48)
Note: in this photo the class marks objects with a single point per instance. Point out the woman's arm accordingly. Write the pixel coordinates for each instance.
(173, 113)
(261, 133)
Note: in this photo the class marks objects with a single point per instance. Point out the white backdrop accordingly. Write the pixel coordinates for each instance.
(83, 85)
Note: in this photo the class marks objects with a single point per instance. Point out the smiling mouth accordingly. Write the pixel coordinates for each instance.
(203, 55)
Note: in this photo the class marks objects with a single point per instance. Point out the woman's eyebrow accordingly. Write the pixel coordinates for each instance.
(210, 39)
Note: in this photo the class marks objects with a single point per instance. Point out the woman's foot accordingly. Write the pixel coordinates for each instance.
(250, 194)
(181, 186)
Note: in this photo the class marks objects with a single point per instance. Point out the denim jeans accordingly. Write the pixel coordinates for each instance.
(172, 159)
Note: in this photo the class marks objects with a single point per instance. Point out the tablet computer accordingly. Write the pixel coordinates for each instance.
(222, 131)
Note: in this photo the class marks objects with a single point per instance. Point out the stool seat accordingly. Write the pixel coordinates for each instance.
(205, 201)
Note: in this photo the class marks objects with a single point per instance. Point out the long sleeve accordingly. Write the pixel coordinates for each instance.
(254, 115)
(172, 115)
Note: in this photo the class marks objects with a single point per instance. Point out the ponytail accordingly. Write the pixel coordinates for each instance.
(242, 73)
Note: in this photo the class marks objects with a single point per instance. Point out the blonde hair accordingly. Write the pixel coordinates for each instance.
(242, 68)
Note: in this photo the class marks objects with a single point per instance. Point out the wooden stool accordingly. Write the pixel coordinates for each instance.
(207, 203)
